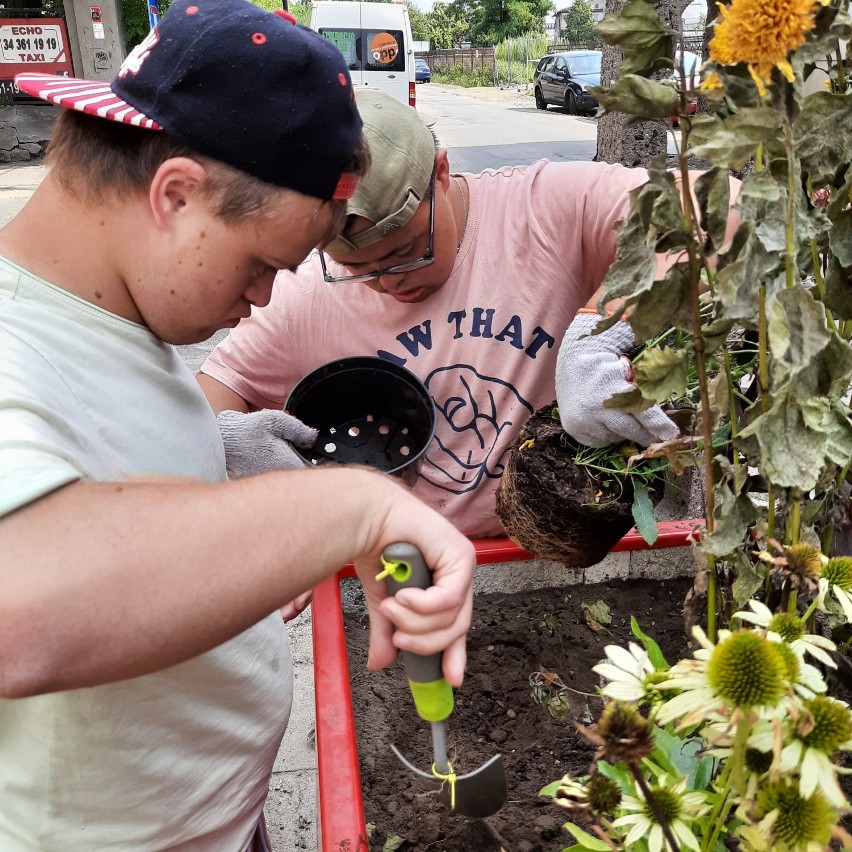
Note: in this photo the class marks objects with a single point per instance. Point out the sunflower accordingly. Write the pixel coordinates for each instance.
(763, 34)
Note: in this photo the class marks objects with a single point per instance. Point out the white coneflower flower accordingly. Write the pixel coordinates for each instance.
(744, 671)
(678, 808)
(582, 797)
(627, 670)
(824, 727)
(835, 578)
(791, 629)
(789, 822)
(803, 677)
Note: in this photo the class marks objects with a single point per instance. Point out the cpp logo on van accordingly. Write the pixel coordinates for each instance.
(384, 48)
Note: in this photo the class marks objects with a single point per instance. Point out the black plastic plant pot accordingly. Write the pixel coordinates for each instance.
(368, 411)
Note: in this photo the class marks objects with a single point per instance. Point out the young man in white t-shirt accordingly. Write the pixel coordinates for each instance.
(145, 678)
(469, 281)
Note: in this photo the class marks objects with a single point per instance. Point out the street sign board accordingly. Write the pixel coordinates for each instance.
(32, 44)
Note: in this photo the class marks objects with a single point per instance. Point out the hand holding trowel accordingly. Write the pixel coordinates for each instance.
(479, 793)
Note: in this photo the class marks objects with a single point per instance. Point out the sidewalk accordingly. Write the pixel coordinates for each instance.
(17, 183)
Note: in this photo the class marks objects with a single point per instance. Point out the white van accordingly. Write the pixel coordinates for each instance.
(375, 39)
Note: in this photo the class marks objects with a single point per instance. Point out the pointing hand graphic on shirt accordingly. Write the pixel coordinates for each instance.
(477, 417)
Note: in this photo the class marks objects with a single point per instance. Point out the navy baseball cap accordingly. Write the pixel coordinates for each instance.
(250, 88)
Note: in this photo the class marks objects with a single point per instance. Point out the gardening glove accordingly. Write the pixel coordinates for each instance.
(260, 442)
(589, 370)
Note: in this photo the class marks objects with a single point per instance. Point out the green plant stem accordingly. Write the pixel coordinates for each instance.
(809, 611)
(605, 831)
(790, 212)
(727, 804)
(793, 602)
(689, 220)
(763, 386)
(763, 350)
(732, 780)
(642, 784)
(732, 398)
(795, 518)
(709, 843)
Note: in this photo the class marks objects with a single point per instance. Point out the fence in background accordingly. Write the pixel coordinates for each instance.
(479, 60)
(514, 61)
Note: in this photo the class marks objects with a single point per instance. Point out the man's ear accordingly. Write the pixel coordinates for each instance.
(442, 167)
(175, 183)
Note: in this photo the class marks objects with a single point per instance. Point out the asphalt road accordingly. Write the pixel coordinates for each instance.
(489, 128)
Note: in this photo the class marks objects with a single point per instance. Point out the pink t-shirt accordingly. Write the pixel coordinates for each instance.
(538, 243)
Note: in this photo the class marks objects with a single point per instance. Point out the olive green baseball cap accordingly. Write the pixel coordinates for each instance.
(402, 148)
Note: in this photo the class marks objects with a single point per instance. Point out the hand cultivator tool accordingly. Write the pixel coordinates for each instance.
(479, 793)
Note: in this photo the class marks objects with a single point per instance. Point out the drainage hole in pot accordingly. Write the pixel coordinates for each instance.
(384, 429)
(330, 448)
(405, 451)
(354, 431)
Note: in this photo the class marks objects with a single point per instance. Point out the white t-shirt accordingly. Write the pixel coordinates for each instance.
(179, 759)
(538, 243)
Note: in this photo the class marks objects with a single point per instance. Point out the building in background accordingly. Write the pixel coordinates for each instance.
(694, 16)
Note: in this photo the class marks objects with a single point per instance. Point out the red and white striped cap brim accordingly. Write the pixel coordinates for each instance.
(89, 96)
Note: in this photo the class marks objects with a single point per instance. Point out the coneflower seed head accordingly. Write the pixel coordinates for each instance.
(604, 794)
(624, 733)
(800, 821)
(804, 559)
(668, 803)
(758, 761)
(838, 572)
(748, 670)
(832, 724)
(787, 625)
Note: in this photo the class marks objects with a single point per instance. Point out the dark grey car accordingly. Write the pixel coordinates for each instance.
(564, 79)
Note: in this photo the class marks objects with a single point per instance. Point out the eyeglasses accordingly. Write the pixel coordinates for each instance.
(408, 266)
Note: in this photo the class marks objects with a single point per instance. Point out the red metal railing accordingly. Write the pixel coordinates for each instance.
(340, 810)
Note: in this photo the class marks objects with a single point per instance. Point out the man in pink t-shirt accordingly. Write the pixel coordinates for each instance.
(471, 283)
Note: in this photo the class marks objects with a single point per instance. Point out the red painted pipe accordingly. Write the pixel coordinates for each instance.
(341, 805)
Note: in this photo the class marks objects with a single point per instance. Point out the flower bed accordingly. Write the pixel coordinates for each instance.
(341, 809)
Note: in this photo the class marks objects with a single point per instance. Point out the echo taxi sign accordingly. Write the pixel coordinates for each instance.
(32, 44)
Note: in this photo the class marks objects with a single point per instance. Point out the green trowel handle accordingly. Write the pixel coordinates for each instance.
(433, 696)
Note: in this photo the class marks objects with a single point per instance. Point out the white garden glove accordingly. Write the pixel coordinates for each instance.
(260, 442)
(589, 370)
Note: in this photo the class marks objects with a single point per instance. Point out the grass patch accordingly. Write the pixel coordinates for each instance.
(459, 76)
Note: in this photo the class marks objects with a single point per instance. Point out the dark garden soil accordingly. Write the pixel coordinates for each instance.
(513, 636)
(555, 508)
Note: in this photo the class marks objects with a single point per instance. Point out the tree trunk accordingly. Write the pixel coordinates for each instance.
(636, 143)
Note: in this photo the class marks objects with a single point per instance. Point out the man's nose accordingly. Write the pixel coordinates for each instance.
(391, 282)
(260, 292)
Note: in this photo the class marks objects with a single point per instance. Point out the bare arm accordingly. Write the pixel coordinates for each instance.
(221, 397)
(102, 582)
